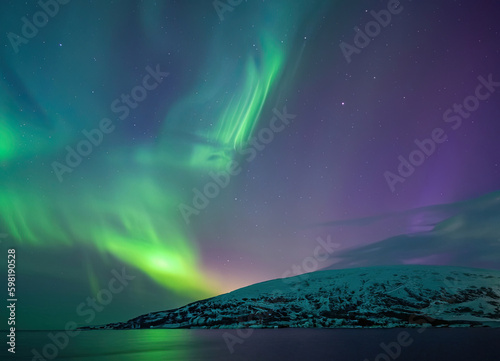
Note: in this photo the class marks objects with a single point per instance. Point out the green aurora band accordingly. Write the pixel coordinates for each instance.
(132, 213)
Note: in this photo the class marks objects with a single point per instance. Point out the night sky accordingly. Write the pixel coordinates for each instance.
(201, 147)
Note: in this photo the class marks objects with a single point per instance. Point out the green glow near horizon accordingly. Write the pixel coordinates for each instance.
(124, 203)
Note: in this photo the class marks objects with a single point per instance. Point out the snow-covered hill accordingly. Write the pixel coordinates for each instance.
(394, 296)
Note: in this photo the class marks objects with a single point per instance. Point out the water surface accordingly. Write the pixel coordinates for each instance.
(282, 344)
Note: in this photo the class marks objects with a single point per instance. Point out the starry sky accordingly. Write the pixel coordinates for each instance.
(201, 146)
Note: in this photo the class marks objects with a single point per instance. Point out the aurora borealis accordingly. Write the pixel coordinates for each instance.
(167, 138)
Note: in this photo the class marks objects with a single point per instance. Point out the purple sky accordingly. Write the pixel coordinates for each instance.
(324, 175)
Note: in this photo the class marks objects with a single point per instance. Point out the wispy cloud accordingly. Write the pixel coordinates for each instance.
(467, 234)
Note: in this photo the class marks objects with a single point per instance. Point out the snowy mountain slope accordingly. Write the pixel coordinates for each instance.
(393, 296)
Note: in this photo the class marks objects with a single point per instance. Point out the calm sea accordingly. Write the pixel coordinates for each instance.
(283, 344)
